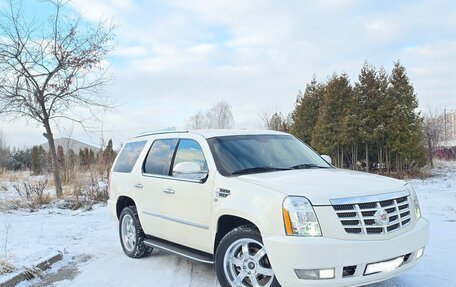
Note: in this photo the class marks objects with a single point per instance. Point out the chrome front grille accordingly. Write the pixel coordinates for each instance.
(384, 214)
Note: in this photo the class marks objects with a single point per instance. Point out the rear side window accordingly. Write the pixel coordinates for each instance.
(160, 155)
(128, 156)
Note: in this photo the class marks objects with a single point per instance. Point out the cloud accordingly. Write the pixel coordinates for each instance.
(130, 52)
(101, 9)
(176, 57)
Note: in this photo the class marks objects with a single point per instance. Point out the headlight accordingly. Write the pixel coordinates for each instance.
(415, 201)
(299, 217)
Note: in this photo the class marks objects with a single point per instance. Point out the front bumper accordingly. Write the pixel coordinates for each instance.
(288, 253)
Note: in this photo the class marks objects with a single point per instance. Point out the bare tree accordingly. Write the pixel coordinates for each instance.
(219, 116)
(265, 118)
(435, 125)
(197, 121)
(51, 70)
(274, 120)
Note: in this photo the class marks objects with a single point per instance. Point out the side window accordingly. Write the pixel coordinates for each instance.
(128, 156)
(160, 155)
(189, 153)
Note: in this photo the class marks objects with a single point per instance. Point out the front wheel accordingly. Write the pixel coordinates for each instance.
(241, 260)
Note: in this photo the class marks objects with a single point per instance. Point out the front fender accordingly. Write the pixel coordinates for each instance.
(260, 205)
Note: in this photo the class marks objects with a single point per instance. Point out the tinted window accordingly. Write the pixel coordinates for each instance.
(161, 153)
(128, 156)
(190, 151)
(256, 153)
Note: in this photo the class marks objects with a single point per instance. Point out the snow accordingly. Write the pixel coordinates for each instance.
(93, 256)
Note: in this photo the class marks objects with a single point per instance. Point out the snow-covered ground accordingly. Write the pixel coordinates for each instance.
(93, 256)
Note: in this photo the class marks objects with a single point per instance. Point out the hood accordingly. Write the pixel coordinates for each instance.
(322, 185)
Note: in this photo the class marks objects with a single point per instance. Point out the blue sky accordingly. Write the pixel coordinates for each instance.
(175, 58)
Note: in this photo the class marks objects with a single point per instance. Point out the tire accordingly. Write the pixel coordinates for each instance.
(232, 264)
(131, 234)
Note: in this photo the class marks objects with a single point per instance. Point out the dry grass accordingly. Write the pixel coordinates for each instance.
(5, 267)
(34, 194)
(12, 204)
(81, 189)
(87, 192)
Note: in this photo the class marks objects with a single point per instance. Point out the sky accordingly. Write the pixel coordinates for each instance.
(174, 58)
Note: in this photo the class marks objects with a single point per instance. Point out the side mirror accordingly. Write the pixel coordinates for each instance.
(327, 158)
(189, 170)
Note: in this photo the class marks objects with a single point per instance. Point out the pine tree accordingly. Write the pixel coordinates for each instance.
(367, 101)
(36, 162)
(60, 156)
(109, 155)
(405, 135)
(81, 158)
(43, 156)
(329, 136)
(92, 159)
(86, 157)
(71, 158)
(305, 114)
(383, 114)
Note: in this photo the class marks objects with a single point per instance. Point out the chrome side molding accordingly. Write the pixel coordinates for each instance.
(178, 220)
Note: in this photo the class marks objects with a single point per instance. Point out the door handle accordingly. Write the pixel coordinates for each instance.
(169, 190)
(138, 185)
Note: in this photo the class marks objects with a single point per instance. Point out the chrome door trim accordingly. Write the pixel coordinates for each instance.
(178, 220)
(369, 198)
(172, 178)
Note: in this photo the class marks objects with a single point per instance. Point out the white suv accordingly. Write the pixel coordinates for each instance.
(264, 208)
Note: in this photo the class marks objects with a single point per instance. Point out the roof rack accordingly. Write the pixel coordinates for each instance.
(158, 132)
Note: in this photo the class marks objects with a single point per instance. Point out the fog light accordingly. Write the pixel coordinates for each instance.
(315, 274)
(419, 253)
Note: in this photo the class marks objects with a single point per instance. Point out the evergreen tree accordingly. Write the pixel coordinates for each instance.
(376, 119)
(60, 156)
(36, 162)
(92, 159)
(71, 158)
(405, 136)
(305, 114)
(86, 157)
(109, 155)
(383, 115)
(329, 136)
(43, 155)
(367, 97)
(81, 158)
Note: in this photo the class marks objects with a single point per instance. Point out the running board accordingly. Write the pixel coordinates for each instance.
(183, 251)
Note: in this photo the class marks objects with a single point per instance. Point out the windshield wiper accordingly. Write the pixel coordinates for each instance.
(306, 165)
(258, 169)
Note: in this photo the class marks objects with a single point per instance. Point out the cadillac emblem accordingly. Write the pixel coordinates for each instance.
(382, 217)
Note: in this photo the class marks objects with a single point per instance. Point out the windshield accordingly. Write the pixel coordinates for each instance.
(244, 154)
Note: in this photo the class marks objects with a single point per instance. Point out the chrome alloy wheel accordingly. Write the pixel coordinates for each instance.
(128, 231)
(246, 264)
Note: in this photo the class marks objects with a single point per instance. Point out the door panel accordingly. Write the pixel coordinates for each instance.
(154, 170)
(187, 204)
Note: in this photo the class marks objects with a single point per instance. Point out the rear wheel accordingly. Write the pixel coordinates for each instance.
(131, 234)
(242, 261)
